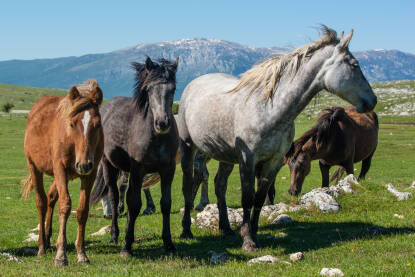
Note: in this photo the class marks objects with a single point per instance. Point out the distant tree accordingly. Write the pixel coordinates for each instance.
(7, 107)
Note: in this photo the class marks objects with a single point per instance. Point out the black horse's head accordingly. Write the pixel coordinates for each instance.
(155, 83)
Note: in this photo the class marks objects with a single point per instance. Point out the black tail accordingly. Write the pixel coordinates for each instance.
(100, 189)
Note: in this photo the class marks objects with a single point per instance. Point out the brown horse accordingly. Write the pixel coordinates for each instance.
(340, 137)
(64, 139)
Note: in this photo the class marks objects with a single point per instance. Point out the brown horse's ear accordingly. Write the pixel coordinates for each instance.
(73, 94)
(290, 153)
(97, 96)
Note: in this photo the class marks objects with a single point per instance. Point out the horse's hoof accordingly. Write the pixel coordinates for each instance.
(41, 252)
(186, 235)
(83, 259)
(249, 246)
(148, 211)
(61, 261)
(126, 253)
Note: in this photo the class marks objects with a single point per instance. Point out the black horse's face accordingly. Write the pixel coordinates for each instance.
(161, 101)
(299, 169)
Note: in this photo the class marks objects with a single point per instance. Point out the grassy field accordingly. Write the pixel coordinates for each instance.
(345, 240)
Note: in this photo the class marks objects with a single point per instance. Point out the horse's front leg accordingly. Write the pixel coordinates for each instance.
(187, 152)
(110, 178)
(247, 173)
(82, 215)
(167, 175)
(122, 189)
(64, 210)
(133, 205)
(325, 175)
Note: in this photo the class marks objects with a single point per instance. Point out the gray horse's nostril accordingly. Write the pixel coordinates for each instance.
(163, 125)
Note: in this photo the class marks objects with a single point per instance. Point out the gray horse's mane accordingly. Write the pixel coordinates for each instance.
(268, 73)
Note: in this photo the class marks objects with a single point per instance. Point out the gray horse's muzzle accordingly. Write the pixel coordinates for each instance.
(367, 105)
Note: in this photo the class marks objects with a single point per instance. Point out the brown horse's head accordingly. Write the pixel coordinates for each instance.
(299, 162)
(83, 124)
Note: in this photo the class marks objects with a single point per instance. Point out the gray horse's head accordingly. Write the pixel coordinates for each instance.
(154, 90)
(341, 75)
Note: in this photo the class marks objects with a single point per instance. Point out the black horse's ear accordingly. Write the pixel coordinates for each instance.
(176, 63)
(149, 64)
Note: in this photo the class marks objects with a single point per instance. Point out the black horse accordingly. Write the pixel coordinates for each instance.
(140, 137)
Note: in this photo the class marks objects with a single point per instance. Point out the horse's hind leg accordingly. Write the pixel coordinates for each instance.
(221, 180)
(123, 188)
(151, 208)
(52, 198)
(365, 167)
(166, 176)
(110, 177)
(269, 200)
(41, 204)
(133, 205)
(201, 176)
(82, 215)
(187, 152)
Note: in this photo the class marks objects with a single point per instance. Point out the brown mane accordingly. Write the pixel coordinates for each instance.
(268, 73)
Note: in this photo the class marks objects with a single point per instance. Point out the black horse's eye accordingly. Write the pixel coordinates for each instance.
(71, 124)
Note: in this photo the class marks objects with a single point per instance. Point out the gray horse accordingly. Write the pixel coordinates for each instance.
(250, 121)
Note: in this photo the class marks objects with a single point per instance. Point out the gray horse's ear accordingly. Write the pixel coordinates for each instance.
(344, 41)
(176, 63)
(149, 64)
(341, 35)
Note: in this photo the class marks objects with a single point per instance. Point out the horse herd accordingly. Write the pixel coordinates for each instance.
(247, 121)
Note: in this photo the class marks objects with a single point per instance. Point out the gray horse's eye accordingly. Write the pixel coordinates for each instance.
(354, 63)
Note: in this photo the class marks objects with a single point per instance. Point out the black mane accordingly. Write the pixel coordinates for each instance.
(162, 71)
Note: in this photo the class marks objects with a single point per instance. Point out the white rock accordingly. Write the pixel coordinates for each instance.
(274, 209)
(217, 258)
(102, 231)
(282, 219)
(412, 185)
(399, 195)
(399, 216)
(331, 272)
(32, 237)
(297, 256)
(182, 210)
(8, 198)
(296, 208)
(36, 229)
(192, 220)
(11, 258)
(209, 217)
(267, 259)
(320, 198)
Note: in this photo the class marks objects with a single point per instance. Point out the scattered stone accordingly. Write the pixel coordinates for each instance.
(182, 210)
(297, 257)
(192, 220)
(282, 219)
(320, 198)
(209, 217)
(36, 229)
(413, 185)
(217, 258)
(102, 231)
(8, 198)
(32, 237)
(267, 259)
(345, 185)
(274, 210)
(295, 208)
(11, 258)
(399, 216)
(283, 178)
(73, 212)
(399, 195)
(331, 272)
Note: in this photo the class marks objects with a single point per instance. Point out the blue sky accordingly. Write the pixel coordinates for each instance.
(46, 29)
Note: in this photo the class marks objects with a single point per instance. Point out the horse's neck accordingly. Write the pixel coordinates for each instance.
(293, 94)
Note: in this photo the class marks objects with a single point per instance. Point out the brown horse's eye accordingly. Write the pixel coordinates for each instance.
(71, 124)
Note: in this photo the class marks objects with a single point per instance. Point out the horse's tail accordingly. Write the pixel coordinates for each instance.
(27, 187)
(100, 189)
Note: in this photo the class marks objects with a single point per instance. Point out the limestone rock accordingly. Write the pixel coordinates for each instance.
(297, 256)
(322, 199)
(11, 258)
(282, 219)
(217, 258)
(399, 195)
(267, 259)
(102, 231)
(209, 217)
(331, 272)
(32, 237)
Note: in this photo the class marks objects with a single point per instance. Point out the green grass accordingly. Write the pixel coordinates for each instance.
(341, 240)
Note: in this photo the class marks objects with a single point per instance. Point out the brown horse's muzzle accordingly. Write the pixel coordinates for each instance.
(293, 190)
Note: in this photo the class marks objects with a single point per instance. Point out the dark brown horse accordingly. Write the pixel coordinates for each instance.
(64, 139)
(340, 137)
